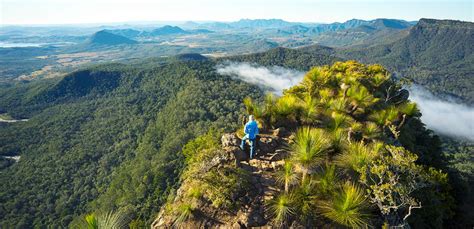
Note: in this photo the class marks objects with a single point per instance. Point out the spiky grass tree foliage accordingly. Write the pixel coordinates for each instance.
(384, 117)
(339, 120)
(282, 208)
(326, 181)
(356, 156)
(360, 97)
(287, 176)
(104, 220)
(91, 221)
(305, 204)
(254, 109)
(337, 140)
(309, 149)
(347, 207)
(371, 131)
(184, 213)
(309, 110)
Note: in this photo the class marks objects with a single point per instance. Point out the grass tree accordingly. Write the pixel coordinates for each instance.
(309, 108)
(287, 176)
(282, 208)
(305, 196)
(104, 220)
(348, 206)
(337, 140)
(371, 131)
(327, 180)
(254, 109)
(360, 98)
(287, 106)
(356, 156)
(310, 148)
(184, 212)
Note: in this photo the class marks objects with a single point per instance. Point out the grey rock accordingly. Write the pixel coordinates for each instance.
(237, 154)
(279, 155)
(230, 140)
(281, 132)
(267, 144)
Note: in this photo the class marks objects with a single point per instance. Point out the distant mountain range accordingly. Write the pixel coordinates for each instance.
(437, 54)
(291, 27)
(354, 23)
(353, 30)
(161, 31)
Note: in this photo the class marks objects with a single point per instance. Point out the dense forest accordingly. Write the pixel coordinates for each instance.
(108, 137)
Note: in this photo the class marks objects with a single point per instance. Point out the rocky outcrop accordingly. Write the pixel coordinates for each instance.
(252, 201)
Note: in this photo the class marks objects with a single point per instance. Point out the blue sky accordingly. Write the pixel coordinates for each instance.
(105, 11)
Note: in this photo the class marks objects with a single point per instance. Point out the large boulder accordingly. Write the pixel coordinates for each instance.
(237, 154)
(281, 132)
(267, 144)
(279, 155)
(230, 139)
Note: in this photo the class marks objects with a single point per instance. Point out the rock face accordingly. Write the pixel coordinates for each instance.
(253, 201)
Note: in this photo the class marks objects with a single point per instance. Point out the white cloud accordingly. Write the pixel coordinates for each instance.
(444, 117)
(274, 78)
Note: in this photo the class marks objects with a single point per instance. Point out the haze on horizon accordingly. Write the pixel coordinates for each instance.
(40, 12)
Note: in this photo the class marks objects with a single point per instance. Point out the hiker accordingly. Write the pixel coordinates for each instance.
(251, 131)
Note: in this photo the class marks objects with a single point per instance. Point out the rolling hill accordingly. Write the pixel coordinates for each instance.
(104, 37)
(167, 30)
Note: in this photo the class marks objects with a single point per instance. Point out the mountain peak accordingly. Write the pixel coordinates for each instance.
(104, 37)
(425, 22)
(167, 30)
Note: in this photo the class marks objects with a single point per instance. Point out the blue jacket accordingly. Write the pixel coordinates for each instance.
(251, 129)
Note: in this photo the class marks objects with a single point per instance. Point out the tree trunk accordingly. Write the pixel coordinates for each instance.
(303, 178)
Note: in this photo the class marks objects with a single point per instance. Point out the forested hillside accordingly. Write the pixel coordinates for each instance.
(438, 54)
(107, 137)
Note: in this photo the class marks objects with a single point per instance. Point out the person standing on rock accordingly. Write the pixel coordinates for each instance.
(251, 131)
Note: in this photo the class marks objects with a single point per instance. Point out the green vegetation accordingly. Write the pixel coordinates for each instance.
(282, 208)
(108, 138)
(347, 207)
(437, 54)
(359, 128)
(102, 221)
(205, 180)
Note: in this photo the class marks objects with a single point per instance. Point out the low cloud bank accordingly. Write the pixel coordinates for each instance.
(442, 116)
(274, 79)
